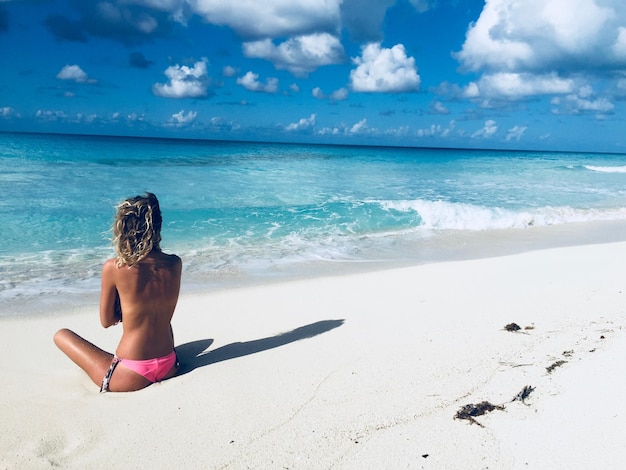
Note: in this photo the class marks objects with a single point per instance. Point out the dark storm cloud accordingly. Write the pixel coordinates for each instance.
(128, 24)
(137, 60)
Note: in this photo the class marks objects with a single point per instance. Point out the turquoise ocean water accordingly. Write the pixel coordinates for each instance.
(246, 212)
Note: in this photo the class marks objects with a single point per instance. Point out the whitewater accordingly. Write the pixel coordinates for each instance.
(243, 212)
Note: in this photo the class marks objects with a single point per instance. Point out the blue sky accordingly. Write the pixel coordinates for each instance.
(532, 74)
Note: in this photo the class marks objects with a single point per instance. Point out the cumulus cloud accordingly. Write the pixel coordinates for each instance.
(6, 111)
(329, 131)
(436, 130)
(180, 119)
(515, 133)
(250, 81)
(384, 70)
(583, 101)
(539, 45)
(75, 74)
(300, 55)
(229, 71)
(518, 85)
(436, 107)
(488, 130)
(49, 115)
(271, 18)
(337, 95)
(302, 124)
(546, 34)
(318, 93)
(359, 128)
(220, 124)
(184, 81)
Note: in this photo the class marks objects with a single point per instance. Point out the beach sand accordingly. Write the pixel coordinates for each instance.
(362, 371)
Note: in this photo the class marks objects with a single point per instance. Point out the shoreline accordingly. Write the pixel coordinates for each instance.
(447, 246)
(362, 370)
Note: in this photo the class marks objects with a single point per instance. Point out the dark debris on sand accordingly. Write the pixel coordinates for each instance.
(469, 412)
(512, 327)
(523, 395)
(550, 368)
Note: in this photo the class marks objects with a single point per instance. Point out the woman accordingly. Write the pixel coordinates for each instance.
(143, 283)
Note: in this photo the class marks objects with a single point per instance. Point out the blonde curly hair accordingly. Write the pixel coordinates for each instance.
(137, 229)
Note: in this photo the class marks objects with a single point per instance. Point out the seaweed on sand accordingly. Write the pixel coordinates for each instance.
(470, 411)
(555, 365)
(523, 395)
(512, 327)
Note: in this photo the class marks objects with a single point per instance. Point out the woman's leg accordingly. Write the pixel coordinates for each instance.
(96, 362)
(84, 354)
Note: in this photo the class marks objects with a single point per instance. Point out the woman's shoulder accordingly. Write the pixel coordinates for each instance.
(109, 264)
(165, 258)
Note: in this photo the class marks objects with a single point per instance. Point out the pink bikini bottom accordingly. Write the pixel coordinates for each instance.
(152, 369)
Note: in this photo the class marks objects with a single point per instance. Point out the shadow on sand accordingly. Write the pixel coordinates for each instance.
(194, 354)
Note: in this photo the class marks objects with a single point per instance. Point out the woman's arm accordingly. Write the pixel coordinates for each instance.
(110, 309)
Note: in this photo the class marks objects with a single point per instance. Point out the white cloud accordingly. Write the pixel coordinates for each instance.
(488, 130)
(74, 73)
(134, 117)
(6, 111)
(250, 81)
(438, 108)
(384, 70)
(515, 133)
(619, 47)
(318, 93)
(184, 81)
(337, 95)
(329, 131)
(270, 18)
(51, 115)
(221, 124)
(436, 130)
(430, 131)
(401, 131)
(180, 119)
(540, 35)
(535, 47)
(229, 71)
(579, 104)
(299, 55)
(302, 124)
(359, 128)
(517, 85)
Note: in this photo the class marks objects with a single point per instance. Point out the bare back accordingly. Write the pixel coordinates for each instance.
(148, 293)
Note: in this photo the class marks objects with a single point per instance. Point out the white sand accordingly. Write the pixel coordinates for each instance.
(378, 390)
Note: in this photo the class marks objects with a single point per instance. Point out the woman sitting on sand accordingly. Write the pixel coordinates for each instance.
(144, 283)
